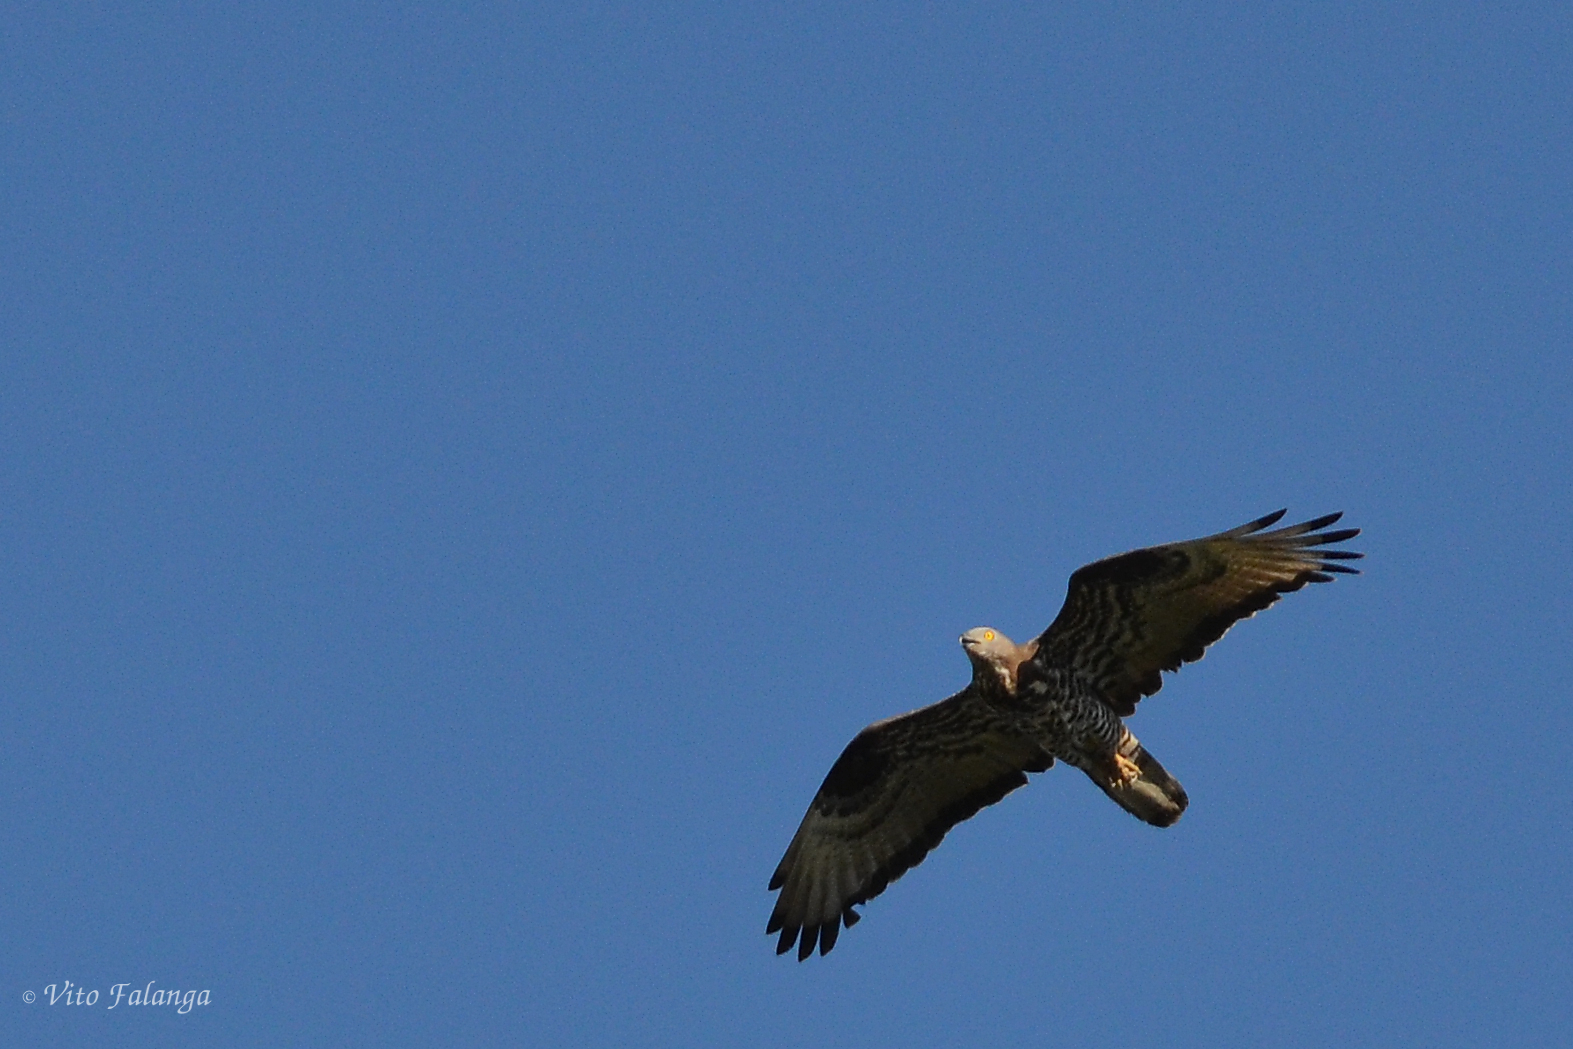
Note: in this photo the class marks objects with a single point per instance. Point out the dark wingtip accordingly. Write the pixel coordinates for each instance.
(805, 943)
(1263, 522)
(1334, 537)
(788, 937)
(1320, 522)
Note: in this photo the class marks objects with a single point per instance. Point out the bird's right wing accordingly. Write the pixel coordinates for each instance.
(899, 786)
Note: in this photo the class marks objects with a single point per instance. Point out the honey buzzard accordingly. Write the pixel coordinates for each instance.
(902, 783)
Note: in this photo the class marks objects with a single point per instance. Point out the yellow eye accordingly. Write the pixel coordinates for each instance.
(988, 635)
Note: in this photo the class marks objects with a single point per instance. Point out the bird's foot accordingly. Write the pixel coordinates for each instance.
(1126, 771)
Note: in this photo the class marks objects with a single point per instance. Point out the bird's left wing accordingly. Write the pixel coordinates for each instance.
(1128, 617)
(899, 786)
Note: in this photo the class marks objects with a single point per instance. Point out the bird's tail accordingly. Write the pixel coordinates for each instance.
(1155, 796)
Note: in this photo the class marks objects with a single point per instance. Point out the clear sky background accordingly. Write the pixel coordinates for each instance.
(467, 471)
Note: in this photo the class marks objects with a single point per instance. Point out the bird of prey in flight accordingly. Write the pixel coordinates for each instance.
(902, 783)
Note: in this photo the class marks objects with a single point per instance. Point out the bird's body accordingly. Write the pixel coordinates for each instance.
(902, 783)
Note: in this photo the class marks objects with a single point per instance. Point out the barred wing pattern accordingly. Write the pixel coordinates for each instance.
(1128, 617)
(896, 790)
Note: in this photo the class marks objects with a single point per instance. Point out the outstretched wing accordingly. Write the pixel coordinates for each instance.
(1128, 617)
(888, 800)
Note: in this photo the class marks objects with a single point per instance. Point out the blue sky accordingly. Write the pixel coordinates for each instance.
(469, 470)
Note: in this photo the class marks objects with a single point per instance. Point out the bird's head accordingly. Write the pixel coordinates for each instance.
(985, 639)
(994, 656)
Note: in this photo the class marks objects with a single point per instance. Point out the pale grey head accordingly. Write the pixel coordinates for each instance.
(994, 656)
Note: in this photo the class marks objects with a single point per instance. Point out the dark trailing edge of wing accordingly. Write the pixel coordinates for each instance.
(965, 808)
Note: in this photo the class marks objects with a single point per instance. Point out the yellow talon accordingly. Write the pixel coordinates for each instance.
(1126, 771)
